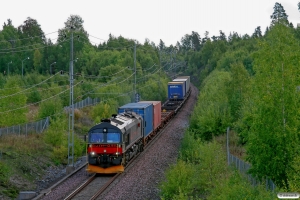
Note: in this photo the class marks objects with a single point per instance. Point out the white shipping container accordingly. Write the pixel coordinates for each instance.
(188, 81)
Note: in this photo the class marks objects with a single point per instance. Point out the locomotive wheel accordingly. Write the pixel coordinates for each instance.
(141, 147)
(126, 158)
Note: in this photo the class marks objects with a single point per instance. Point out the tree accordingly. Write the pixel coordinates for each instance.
(279, 15)
(161, 45)
(257, 33)
(31, 32)
(195, 37)
(212, 112)
(37, 59)
(73, 26)
(12, 103)
(186, 42)
(222, 36)
(274, 130)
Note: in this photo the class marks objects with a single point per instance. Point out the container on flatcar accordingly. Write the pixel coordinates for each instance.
(156, 112)
(186, 86)
(176, 90)
(143, 109)
(188, 82)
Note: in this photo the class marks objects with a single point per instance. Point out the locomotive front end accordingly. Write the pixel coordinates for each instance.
(104, 151)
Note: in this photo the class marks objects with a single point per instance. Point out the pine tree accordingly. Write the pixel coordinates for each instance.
(279, 15)
(257, 33)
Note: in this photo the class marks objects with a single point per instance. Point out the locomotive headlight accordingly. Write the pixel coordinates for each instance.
(104, 130)
(92, 153)
(117, 153)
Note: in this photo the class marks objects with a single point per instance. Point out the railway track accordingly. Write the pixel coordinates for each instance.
(96, 185)
(93, 186)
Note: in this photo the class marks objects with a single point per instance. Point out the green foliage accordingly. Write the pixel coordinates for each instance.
(153, 90)
(178, 179)
(37, 59)
(50, 107)
(194, 175)
(274, 131)
(12, 103)
(4, 174)
(212, 112)
(57, 137)
(293, 174)
(104, 110)
(189, 150)
(34, 96)
(237, 187)
(238, 89)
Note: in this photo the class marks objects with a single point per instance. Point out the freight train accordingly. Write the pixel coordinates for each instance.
(112, 143)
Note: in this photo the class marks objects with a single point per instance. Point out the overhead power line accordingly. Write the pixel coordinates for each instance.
(39, 101)
(28, 37)
(28, 88)
(32, 49)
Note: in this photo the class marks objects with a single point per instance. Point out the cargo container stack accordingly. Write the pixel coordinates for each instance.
(186, 80)
(156, 112)
(143, 109)
(176, 90)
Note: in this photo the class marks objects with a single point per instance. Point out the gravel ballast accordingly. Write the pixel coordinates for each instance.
(141, 181)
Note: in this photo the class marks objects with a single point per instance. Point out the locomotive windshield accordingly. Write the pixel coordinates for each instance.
(113, 137)
(98, 136)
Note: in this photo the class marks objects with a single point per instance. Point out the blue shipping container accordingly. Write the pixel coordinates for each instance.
(143, 109)
(176, 90)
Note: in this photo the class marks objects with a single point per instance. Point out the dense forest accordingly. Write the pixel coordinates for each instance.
(247, 82)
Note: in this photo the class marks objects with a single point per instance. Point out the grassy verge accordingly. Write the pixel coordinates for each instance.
(202, 173)
(25, 159)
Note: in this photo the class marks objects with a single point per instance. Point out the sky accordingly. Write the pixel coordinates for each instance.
(168, 20)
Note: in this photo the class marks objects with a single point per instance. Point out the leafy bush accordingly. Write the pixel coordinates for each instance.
(60, 154)
(50, 107)
(56, 133)
(34, 96)
(4, 174)
(178, 180)
(211, 115)
(294, 175)
(12, 103)
(237, 187)
(189, 150)
(199, 165)
(57, 137)
(103, 110)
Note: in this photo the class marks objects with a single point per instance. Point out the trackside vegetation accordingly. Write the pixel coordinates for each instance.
(253, 87)
(201, 172)
(247, 82)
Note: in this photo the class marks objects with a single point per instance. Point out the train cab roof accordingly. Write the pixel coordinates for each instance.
(117, 121)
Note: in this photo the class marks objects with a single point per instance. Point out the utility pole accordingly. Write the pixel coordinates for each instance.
(22, 64)
(135, 94)
(8, 67)
(71, 111)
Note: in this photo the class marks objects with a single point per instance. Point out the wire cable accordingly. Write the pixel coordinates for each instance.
(29, 37)
(38, 101)
(29, 87)
(32, 48)
(107, 84)
(23, 46)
